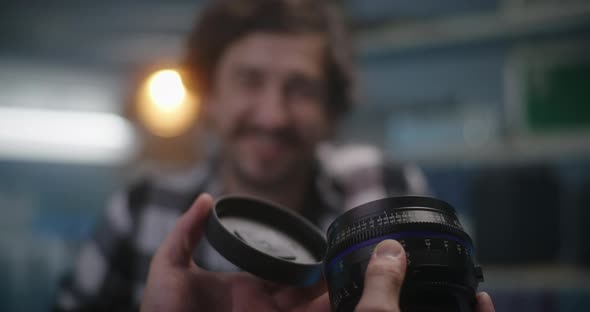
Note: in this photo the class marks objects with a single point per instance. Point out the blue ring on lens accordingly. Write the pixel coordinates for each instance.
(397, 236)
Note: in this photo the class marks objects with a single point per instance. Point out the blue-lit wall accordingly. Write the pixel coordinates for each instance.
(46, 210)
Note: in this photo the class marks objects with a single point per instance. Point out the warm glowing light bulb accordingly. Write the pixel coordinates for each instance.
(165, 107)
(166, 89)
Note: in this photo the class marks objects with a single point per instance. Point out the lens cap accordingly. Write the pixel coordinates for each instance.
(267, 240)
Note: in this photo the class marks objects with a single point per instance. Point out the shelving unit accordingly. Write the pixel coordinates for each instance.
(540, 277)
(504, 24)
(516, 26)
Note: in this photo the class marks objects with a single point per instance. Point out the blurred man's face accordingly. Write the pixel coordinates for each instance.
(268, 105)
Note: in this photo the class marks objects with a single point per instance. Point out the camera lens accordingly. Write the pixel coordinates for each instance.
(441, 275)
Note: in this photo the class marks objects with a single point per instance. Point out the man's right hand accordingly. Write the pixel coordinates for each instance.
(177, 284)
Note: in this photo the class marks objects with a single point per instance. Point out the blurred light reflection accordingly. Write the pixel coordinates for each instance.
(164, 106)
(70, 136)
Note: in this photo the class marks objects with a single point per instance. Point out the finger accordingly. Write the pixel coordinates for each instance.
(484, 303)
(248, 294)
(288, 297)
(177, 248)
(319, 304)
(384, 278)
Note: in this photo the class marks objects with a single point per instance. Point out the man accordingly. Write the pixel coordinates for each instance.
(274, 80)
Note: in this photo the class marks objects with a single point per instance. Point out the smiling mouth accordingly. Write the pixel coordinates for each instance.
(268, 146)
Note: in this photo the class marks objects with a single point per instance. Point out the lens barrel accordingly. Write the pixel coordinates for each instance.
(441, 275)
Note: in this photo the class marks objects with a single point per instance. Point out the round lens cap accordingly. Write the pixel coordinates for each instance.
(267, 240)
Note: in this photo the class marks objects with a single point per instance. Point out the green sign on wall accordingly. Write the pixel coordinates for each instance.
(558, 98)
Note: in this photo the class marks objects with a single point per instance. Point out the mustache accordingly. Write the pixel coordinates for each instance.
(285, 135)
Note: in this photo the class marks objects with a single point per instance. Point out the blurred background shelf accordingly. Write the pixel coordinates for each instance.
(558, 147)
(536, 277)
(502, 24)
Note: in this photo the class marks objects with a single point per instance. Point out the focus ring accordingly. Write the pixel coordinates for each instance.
(353, 239)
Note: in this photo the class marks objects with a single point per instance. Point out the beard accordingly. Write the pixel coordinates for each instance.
(267, 160)
(278, 179)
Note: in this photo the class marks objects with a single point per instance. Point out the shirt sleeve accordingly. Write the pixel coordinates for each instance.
(102, 278)
(365, 174)
(404, 180)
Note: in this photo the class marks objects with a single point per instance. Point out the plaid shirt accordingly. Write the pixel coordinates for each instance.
(112, 267)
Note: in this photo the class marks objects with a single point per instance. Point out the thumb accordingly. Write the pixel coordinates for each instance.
(384, 278)
(177, 248)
